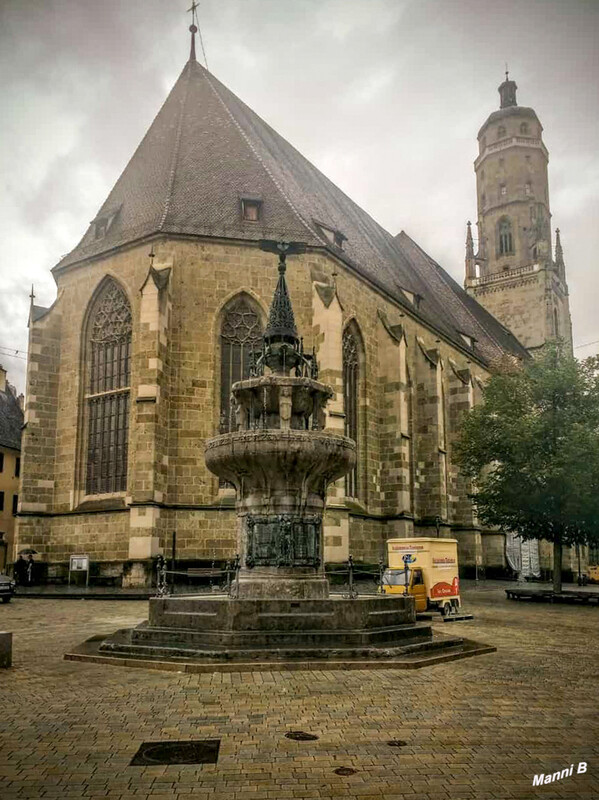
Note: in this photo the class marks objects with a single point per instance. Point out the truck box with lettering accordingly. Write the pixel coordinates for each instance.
(428, 567)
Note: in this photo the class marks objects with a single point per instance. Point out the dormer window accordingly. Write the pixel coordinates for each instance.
(468, 340)
(103, 223)
(335, 237)
(251, 209)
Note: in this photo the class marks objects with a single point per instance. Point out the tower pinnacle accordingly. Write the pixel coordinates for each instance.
(507, 91)
(470, 263)
(559, 254)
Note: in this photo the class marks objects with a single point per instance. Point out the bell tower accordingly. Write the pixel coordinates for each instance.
(512, 272)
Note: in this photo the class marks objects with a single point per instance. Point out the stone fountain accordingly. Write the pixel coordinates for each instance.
(280, 459)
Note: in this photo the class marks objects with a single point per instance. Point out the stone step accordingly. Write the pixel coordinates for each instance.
(381, 636)
(156, 651)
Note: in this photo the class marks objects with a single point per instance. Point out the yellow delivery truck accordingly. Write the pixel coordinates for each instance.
(428, 568)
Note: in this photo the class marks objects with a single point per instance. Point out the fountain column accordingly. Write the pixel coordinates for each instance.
(280, 459)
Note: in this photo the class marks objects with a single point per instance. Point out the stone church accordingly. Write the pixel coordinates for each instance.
(161, 303)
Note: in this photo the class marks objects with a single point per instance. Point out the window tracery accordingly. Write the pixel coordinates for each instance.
(351, 386)
(241, 332)
(108, 388)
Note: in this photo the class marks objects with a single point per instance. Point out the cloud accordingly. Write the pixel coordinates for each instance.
(386, 97)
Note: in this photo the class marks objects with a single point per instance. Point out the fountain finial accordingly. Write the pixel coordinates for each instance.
(282, 350)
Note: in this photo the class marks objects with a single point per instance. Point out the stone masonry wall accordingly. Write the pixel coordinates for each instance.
(177, 310)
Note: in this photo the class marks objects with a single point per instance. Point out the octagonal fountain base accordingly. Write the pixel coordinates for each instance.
(222, 629)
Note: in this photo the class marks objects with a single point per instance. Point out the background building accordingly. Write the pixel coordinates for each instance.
(11, 422)
(514, 273)
(157, 311)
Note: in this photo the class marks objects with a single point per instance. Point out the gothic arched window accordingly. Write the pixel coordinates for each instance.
(506, 241)
(351, 400)
(107, 391)
(241, 332)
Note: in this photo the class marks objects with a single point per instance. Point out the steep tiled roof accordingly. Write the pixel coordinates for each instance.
(206, 149)
(11, 420)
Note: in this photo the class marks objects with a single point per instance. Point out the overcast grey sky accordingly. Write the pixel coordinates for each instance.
(384, 96)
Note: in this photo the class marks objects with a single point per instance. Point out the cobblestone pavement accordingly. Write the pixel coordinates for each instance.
(477, 728)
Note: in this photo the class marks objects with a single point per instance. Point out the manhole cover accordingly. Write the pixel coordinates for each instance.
(345, 771)
(396, 743)
(198, 752)
(301, 736)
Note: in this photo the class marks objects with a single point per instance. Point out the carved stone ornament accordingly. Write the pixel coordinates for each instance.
(283, 540)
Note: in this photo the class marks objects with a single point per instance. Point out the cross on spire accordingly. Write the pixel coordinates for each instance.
(195, 28)
(507, 72)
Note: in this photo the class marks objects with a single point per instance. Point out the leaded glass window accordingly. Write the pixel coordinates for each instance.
(351, 386)
(241, 332)
(107, 391)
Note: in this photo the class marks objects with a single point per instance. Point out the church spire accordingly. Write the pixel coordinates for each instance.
(470, 263)
(507, 91)
(192, 53)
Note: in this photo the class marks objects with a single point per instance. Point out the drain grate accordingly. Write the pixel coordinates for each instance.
(195, 752)
(345, 771)
(396, 743)
(301, 736)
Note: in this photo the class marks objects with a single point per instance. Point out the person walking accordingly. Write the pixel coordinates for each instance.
(20, 570)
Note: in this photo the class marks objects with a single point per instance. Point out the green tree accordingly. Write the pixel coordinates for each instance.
(532, 449)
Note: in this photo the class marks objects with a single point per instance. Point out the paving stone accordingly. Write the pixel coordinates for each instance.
(475, 729)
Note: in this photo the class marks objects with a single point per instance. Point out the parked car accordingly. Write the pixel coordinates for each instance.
(7, 588)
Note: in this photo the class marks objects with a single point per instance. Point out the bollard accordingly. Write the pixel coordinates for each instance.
(5, 649)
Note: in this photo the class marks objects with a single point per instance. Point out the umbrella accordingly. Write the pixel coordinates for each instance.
(28, 551)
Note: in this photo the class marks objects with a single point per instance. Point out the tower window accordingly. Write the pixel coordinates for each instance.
(555, 323)
(502, 162)
(501, 132)
(483, 200)
(527, 188)
(503, 190)
(524, 129)
(251, 209)
(506, 241)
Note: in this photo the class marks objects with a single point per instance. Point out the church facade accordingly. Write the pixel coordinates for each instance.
(158, 310)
